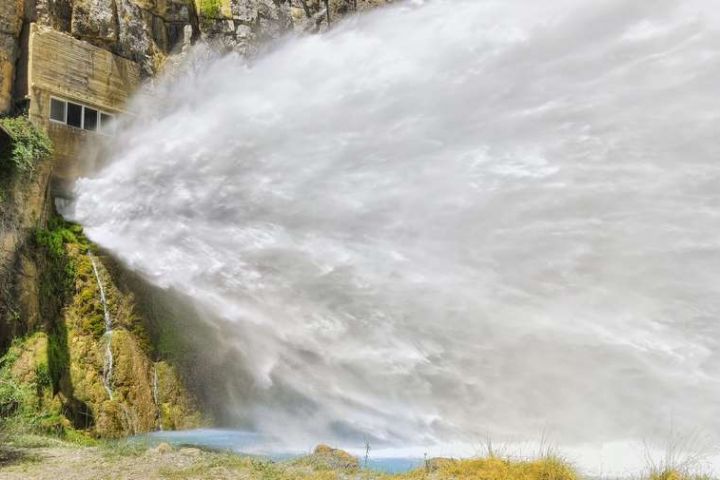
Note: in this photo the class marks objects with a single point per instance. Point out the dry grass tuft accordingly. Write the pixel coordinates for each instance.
(676, 474)
(494, 468)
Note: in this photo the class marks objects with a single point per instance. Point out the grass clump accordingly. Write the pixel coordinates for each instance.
(229, 465)
(209, 8)
(676, 473)
(494, 468)
(112, 449)
(77, 437)
(29, 144)
(30, 440)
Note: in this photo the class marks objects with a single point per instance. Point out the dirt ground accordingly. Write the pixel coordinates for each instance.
(38, 458)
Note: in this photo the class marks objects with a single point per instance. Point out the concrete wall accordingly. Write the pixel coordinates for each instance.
(71, 69)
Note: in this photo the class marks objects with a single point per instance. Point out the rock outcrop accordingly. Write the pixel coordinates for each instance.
(11, 20)
(243, 25)
(144, 31)
(334, 458)
(246, 25)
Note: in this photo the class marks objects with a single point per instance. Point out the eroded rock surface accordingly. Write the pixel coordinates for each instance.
(11, 19)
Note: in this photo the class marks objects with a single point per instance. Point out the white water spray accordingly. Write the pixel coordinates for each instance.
(446, 221)
(107, 336)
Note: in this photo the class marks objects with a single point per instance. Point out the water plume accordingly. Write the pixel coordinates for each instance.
(442, 220)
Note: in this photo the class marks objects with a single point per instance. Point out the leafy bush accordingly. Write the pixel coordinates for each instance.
(29, 145)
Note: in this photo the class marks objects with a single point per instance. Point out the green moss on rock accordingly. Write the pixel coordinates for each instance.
(177, 410)
(52, 381)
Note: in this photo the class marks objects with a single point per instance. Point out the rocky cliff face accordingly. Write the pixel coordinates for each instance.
(23, 207)
(146, 31)
(245, 25)
(141, 30)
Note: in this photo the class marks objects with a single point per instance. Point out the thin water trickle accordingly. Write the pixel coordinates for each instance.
(107, 336)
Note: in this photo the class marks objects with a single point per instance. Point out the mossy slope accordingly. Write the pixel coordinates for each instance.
(59, 371)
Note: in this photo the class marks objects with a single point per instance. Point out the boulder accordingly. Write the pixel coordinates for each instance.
(334, 458)
(161, 449)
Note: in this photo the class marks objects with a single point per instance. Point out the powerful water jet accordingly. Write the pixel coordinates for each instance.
(443, 221)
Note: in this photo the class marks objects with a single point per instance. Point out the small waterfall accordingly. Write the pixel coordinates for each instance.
(108, 361)
(156, 396)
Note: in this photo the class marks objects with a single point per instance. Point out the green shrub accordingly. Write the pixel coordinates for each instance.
(210, 8)
(29, 145)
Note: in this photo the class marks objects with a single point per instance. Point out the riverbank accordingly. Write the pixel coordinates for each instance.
(45, 458)
(33, 457)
